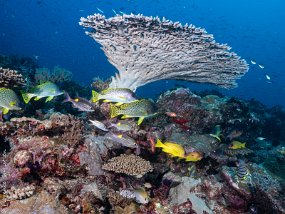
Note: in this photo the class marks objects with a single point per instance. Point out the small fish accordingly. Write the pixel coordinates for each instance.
(80, 103)
(193, 156)
(242, 171)
(116, 95)
(281, 150)
(268, 77)
(235, 152)
(99, 125)
(124, 140)
(122, 125)
(171, 148)
(171, 114)
(237, 145)
(139, 108)
(47, 89)
(261, 66)
(253, 62)
(217, 133)
(121, 12)
(114, 12)
(8, 100)
(234, 134)
(139, 194)
(101, 11)
(260, 138)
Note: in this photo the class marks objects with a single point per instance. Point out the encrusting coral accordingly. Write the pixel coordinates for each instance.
(10, 78)
(128, 164)
(146, 49)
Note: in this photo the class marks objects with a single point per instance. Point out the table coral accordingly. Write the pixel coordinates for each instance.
(146, 49)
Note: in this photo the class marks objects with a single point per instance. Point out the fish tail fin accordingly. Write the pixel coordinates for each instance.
(95, 96)
(27, 97)
(114, 111)
(5, 110)
(159, 144)
(67, 97)
(243, 144)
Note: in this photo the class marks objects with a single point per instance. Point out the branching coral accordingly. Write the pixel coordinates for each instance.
(128, 164)
(10, 78)
(58, 74)
(146, 49)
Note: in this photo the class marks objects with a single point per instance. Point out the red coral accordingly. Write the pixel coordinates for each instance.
(184, 208)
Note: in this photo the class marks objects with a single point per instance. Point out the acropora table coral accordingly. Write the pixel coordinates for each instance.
(147, 49)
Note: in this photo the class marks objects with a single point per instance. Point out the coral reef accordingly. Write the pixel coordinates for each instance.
(57, 75)
(10, 78)
(54, 161)
(25, 65)
(146, 49)
(128, 164)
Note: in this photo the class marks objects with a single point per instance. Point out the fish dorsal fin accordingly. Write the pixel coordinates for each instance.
(37, 98)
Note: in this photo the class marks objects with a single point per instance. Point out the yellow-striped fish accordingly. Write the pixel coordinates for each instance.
(8, 100)
(47, 89)
(139, 108)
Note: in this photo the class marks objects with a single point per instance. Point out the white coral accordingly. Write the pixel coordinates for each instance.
(146, 49)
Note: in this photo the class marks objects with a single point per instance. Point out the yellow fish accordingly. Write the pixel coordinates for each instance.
(139, 108)
(237, 145)
(173, 149)
(193, 156)
(8, 100)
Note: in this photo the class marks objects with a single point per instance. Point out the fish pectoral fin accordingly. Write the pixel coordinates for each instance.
(118, 104)
(140, 120)
(12, 103)
(37, 98)
(49, 98)
(5, 110)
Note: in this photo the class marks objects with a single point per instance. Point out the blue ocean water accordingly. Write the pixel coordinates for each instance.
(49, 31)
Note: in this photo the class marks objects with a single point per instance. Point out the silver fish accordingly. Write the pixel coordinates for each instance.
(80, 103)
(122, 125)
(99, 125)
(124, 140)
